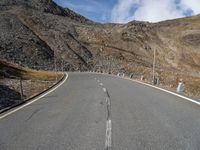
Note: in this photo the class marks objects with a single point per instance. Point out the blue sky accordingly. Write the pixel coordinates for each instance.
(123, 11)
(96, 10)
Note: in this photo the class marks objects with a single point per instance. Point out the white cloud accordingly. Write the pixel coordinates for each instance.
(194, 5)
(120, 12)
(151, 10)
(154, 11)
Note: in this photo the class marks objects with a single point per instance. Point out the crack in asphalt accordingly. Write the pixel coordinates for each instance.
(108, 138)
(33, 113)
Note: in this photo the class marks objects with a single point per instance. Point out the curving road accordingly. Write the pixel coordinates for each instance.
(96, 112)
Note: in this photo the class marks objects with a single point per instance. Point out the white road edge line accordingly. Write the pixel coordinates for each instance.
(173, 93)
(108, 142)
(32, 101)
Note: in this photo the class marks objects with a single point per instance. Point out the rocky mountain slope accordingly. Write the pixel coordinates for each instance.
(40, 34)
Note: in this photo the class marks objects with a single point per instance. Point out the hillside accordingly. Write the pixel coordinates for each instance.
(42, 35)
(33, 33)
(33, 82)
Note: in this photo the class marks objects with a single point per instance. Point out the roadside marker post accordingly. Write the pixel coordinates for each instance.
(21, 89)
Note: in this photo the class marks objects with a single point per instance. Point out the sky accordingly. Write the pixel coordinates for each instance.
(123, 11)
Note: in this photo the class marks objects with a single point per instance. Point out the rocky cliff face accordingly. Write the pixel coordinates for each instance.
(39, 33)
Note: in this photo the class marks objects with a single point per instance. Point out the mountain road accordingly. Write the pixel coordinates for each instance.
(94, 112)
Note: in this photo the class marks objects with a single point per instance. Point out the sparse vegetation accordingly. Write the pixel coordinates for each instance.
(33, 82)
(14, 71)
(39, 34)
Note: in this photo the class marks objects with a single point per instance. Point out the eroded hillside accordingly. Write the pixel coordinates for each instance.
(42, 35)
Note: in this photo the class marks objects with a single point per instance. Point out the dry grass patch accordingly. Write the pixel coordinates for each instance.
(9, 70)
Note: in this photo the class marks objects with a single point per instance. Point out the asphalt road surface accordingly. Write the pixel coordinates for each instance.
(99, 112)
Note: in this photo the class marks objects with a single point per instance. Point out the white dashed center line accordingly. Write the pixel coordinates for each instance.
(108, 138)
(108, 142)
(104, 89)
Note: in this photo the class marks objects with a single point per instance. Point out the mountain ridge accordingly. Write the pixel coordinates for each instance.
(44, 31)
(47, 6)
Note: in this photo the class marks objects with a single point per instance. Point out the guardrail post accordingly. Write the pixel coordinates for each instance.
(142, 78)
(21, 89)
(181, 87)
